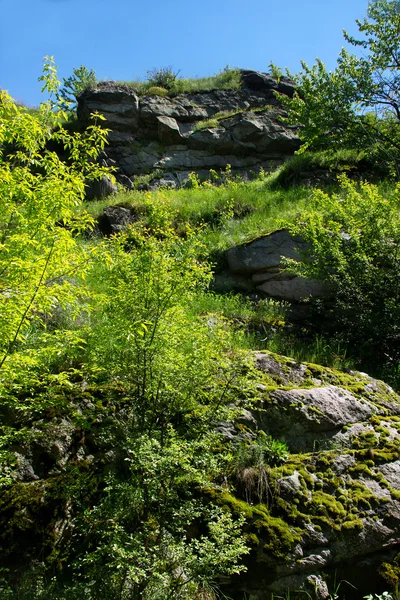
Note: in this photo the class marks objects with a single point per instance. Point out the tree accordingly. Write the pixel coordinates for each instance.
(80, 80)
(41, 263)
(357, 104)
(148, 530)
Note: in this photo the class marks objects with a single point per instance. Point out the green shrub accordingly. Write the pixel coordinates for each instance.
(80, 80)
(164, 77)
(156, 91)
(354, 239)
(332, 162)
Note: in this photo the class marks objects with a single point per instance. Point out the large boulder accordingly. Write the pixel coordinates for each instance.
(265, 253)
(114, 219)
(262, 261)
(100, 188)
(328, 509)
(331, 512)
(263, 82)
(117, 103)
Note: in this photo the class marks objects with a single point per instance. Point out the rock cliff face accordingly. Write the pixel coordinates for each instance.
(329, 509)
(172, 136)
(332, 511)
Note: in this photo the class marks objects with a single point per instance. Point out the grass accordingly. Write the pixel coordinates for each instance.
(219, 116)
(226, 79)
(231, 214)
(340, 161)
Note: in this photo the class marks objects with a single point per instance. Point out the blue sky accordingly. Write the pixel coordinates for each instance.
(122, 39)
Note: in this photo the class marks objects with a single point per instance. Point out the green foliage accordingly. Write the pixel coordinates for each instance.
(314, 166)
(226, 79)
(152, 535)
(251, 461)
(358, 104)
(80, 80)
(164, 77)
(41, 263)
(155, 90)
(354, 243)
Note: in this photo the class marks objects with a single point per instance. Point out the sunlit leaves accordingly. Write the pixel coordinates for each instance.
(41, 264)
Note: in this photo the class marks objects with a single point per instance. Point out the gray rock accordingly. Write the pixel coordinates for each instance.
(114, 219)
(259, 82)
(391, 471)
(118, 104)
(168, 130)
(324, 408)
(289, 486)
(159, 132)
(284, 372)
(266, 252)
(168, 180)
(100, 189)
(296, 289)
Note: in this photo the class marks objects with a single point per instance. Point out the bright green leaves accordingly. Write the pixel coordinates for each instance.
(358, 104)
(354, 239)
(41, 263)
(153, 532)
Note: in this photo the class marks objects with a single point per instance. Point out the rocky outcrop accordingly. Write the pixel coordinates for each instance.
(332, 510)
(152, 133)
(260, 265)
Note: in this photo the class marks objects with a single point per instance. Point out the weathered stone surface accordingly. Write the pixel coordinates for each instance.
(118, 104)
(155, 132)
(100, 189)
(264, 261)
(265, 253)
(168, 130)
(114, 219)
(295, 289)
(263, 82)
(339, 495)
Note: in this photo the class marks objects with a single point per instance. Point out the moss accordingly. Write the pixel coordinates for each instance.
(361, 469)
(382, 430)
(390, 572)
(353, 524)
(280, 537)
(326, 504)
(238, 507)
(307, 479)
(252, 539)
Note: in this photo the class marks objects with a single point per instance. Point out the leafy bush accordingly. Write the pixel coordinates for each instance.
(164, 77)
(251, 461)
(156, 91)
(41, 261)
(354, 239)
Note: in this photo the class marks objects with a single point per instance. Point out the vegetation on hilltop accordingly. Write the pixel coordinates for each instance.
(118, 364)
(165, 78)
(358, 104)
